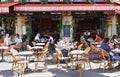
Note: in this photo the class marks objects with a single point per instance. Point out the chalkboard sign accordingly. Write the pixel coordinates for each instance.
(66, 31)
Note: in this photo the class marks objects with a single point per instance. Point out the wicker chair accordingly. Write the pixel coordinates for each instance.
(24, 45)
(83, 60)
(60, 57)
(105, 59)
(18, 46)
(18, 63)
(42, 58)
(93, 51)
(80, 47)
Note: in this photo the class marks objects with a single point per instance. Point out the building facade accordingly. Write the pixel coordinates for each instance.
(62, 18)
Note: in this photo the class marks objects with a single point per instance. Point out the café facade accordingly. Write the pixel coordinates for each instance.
(62, 19)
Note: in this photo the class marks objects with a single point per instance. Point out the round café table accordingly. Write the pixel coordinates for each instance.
(26, 54)
(37, 48)
(40, 44)
(76, 52)
(2, 48)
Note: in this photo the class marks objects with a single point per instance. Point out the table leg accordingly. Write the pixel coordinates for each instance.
(2, 60)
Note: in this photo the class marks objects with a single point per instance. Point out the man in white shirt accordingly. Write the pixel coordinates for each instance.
(51, 40)
(37, 38)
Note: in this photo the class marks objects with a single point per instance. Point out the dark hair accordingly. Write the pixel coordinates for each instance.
(114, 36)
(106, 40)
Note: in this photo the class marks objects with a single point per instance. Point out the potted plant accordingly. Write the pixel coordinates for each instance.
(74, 25)
(59, 27)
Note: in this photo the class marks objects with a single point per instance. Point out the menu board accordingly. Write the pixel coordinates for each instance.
(66, 31)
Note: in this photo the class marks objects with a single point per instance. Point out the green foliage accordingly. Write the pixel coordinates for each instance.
(110, 1)
(73, 35)
(28, 33)
(74, 28)
(74, 25)
(67, 1)
(60, 27)
(8, 21)
(90, 1)
(44, 1)
(106, 26)
(118, 30)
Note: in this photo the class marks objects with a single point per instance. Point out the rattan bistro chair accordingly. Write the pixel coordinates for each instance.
(60, 57)
(83, 60)
(18, 63)
(94, 51)
(104, 59)
(42, 58)
(80, 47)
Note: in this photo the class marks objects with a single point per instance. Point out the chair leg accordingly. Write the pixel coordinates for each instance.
(45, 65)
(36, 66)
(58, 63)
(66, 65)
(22, 69)
(80, 69)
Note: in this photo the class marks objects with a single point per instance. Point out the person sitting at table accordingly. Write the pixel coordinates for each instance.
(17, 40)
(98, 39)
(51, 40)
(62, 43)
(24, 38)
(37, 38)
(114, 40)
(62, 46)
(11, 40)
(82, 38)
(3, 43)
(107, 47)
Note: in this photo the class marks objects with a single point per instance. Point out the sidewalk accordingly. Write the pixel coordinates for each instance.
(5, 71)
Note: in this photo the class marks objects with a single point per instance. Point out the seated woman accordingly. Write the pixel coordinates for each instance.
(98, 39)
(115, 41)
(107, 47)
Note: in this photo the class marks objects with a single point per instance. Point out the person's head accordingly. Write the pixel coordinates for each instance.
(106, 40)
(38, 34)
(64, 39)
(114, 36)
(17, 35)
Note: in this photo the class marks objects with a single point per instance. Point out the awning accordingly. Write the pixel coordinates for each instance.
(4, 8)
(63, 7)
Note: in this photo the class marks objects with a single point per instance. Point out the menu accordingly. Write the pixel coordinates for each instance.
(66, 31)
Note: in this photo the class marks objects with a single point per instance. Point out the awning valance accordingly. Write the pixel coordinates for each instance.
(4, 8)
(63, 7)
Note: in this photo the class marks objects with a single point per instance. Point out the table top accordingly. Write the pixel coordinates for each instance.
(25, 53)
(4, 47)
(116, 50)
(37, 47)
(40, 44)
(77, 52)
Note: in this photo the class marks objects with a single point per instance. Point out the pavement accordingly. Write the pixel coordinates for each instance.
(5, 71)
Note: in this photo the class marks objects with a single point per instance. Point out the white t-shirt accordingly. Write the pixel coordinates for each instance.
(51, 40)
